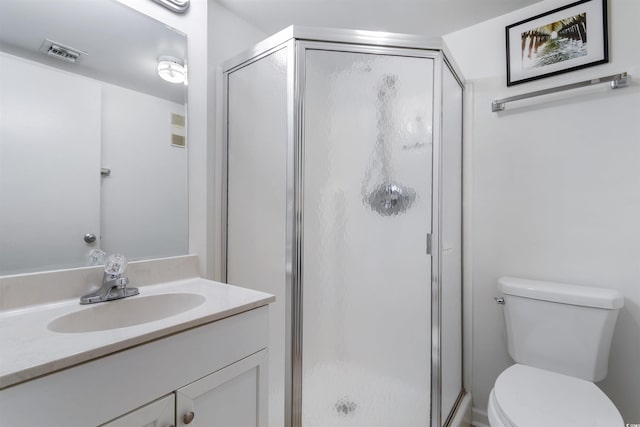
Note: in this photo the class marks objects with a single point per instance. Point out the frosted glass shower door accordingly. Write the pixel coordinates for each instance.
(257, 199)
(367, 203)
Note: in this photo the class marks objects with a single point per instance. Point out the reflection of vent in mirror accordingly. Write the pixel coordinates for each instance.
(177, 130)
(60, 51)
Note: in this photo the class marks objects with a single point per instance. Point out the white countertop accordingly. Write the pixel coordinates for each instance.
(28, 349)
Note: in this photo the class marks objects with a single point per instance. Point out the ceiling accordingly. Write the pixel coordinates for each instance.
(424, 17)
(122, 44)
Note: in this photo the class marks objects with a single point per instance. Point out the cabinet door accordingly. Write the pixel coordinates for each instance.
(235, 396)
(160, 413)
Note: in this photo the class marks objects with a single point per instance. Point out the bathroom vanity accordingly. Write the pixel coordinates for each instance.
(187, 352)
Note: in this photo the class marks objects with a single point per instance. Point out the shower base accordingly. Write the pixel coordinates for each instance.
(347, 395)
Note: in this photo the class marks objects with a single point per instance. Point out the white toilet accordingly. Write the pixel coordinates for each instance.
(559, 336)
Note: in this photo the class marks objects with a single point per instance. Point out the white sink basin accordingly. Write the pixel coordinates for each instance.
(126, 312)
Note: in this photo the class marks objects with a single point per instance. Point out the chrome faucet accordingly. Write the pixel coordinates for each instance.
(114, 284)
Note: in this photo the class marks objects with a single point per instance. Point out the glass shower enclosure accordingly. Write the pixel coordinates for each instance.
(342, 188)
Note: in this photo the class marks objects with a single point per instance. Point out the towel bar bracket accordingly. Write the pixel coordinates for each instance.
(623, 80)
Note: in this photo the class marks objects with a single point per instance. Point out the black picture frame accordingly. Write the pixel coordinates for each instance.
(565, 39)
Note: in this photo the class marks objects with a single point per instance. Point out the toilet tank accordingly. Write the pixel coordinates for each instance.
(559, 327)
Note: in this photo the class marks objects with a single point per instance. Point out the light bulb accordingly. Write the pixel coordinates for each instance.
(171, 69)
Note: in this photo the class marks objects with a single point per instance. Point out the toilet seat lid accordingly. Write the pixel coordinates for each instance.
(532, 397)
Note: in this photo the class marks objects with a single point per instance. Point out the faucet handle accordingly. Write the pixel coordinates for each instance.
(96, 257)
(115, 264)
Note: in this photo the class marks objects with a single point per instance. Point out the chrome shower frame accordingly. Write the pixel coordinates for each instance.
(297, 40)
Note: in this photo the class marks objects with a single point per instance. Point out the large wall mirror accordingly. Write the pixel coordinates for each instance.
(92, 140)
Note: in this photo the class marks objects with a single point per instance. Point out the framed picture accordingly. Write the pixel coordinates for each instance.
(561, 40)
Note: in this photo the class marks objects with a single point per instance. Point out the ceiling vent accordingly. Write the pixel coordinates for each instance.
(60, 51)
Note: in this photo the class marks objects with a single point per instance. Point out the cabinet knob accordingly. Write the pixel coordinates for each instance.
(188, 417)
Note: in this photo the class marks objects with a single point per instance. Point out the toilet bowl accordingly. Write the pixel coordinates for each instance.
(524, 396)
(559, 336)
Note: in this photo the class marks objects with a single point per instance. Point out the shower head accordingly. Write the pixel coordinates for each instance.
(391, 199)
(387, 198)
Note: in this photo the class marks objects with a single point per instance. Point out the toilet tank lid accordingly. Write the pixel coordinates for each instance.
(562, 293)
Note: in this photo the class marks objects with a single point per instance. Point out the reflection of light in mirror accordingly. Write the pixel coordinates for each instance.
(171, 69)
(417, 132)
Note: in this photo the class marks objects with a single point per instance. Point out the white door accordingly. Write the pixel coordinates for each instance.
(235, 396)
(49, 166)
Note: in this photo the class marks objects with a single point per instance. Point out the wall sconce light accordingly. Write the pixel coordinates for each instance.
(171, 69)
(177, 6)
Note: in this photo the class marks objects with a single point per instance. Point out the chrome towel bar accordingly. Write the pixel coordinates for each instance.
(617, 81)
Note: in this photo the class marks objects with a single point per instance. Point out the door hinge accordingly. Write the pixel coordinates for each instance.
(429, 243)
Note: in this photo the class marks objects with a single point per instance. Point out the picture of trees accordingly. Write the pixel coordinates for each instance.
(555, 42)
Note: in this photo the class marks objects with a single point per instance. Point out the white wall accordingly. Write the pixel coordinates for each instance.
(213, 34)
(144, 199)
(554, 191)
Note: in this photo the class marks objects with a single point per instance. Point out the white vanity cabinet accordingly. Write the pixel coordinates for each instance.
(233, 396)
(216, 370)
